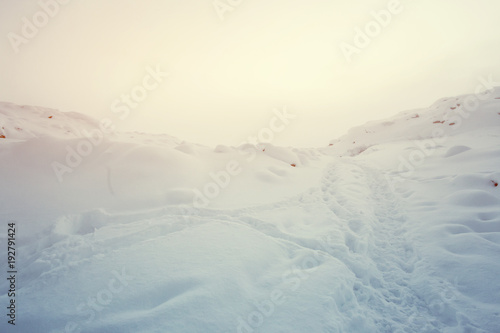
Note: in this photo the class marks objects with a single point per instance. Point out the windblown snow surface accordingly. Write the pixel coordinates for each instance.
(394, 227)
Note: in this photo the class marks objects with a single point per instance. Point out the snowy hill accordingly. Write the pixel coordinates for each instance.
(67, 163)
(447, 117)
(394, 227)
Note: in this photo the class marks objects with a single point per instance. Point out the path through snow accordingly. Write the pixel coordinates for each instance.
(364, 248)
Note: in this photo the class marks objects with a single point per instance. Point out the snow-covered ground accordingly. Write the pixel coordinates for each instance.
(394, 227)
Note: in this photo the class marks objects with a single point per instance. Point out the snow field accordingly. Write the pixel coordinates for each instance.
(393, 228)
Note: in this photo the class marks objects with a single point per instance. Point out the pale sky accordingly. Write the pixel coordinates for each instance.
(227, 75)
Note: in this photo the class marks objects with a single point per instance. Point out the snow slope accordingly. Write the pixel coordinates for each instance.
(395, 227)
(67, 163)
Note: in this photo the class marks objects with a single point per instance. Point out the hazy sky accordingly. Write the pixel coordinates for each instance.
(229, 68)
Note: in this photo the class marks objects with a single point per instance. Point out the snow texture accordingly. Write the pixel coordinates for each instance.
(394, 227)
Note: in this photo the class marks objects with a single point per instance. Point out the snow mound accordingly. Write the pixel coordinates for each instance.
(65, 163)
(474, 198)
(455, 150)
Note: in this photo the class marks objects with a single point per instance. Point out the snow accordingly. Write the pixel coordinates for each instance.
(394, 227)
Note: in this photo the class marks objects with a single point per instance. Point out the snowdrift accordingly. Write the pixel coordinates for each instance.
(62, 162)
(394, 227)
